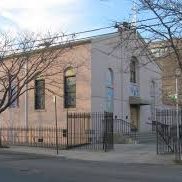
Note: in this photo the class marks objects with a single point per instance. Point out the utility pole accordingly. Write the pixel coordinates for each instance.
(177, 152)
(26, 96)
(26, 100)
(55, 110)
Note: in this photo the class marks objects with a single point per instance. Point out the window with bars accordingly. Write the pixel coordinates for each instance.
(40, 94)
(70, 88)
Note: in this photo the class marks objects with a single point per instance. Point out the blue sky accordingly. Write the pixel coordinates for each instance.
(61, 15)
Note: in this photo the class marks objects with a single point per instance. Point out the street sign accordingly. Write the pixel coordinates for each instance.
(172, 97)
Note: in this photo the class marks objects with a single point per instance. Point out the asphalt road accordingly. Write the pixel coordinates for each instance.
(29, 168)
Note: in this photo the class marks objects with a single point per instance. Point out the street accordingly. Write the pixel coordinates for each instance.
(32, 168)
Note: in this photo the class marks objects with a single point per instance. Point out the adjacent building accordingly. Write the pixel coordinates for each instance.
(166, 57)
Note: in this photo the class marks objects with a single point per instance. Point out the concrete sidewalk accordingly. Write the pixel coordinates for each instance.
(123, 153)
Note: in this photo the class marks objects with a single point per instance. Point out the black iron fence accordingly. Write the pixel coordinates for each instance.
(35, 137)
(166, 131)
(90, 131)
(81, 131)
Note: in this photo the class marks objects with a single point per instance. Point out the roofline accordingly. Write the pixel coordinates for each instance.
(76, 42)
(56, 47)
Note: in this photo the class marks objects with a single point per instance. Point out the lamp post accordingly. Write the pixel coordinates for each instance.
(177, 153)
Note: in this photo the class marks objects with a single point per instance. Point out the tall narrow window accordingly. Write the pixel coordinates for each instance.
(13, 92)
(110, 91)
(40, 94)
(70, 88)
(133, 71)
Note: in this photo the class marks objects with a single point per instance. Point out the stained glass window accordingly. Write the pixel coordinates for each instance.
(133, 71)
(40, 94)
(110, 91)
(70, 88)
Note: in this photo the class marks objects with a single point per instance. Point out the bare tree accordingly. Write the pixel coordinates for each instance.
(26, 57)
(163, 32)
(163, 29)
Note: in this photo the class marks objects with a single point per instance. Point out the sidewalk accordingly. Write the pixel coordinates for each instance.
(123, 153)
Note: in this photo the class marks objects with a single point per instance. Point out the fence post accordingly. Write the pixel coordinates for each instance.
(135, 133)
(105, 132)
(55, 109)
(0, 138)
(103, 123)
(157, 146)
(67, 135)
(112, 130)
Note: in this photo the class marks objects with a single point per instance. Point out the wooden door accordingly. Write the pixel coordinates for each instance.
(134, 116)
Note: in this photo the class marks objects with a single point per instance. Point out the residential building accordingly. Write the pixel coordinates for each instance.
(167, 60)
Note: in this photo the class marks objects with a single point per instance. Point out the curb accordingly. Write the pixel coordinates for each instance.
(31, 154)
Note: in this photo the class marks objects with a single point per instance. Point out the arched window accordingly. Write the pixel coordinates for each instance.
(133, 70)
(110, 90)
(69, 88)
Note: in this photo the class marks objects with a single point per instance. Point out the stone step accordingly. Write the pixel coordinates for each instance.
(142, 138)
(145, 135)
(139, 137)
(146, 138)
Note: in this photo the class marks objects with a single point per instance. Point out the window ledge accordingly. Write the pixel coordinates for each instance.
(70, 109)
(134, 83)
(15, 108)
(40, 110)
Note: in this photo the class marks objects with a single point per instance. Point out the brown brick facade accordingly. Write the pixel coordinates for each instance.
(78, 57)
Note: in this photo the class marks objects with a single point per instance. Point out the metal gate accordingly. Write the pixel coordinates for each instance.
(90, 131)
(166, 131)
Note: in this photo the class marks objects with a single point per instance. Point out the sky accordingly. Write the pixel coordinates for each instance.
(61, 15)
